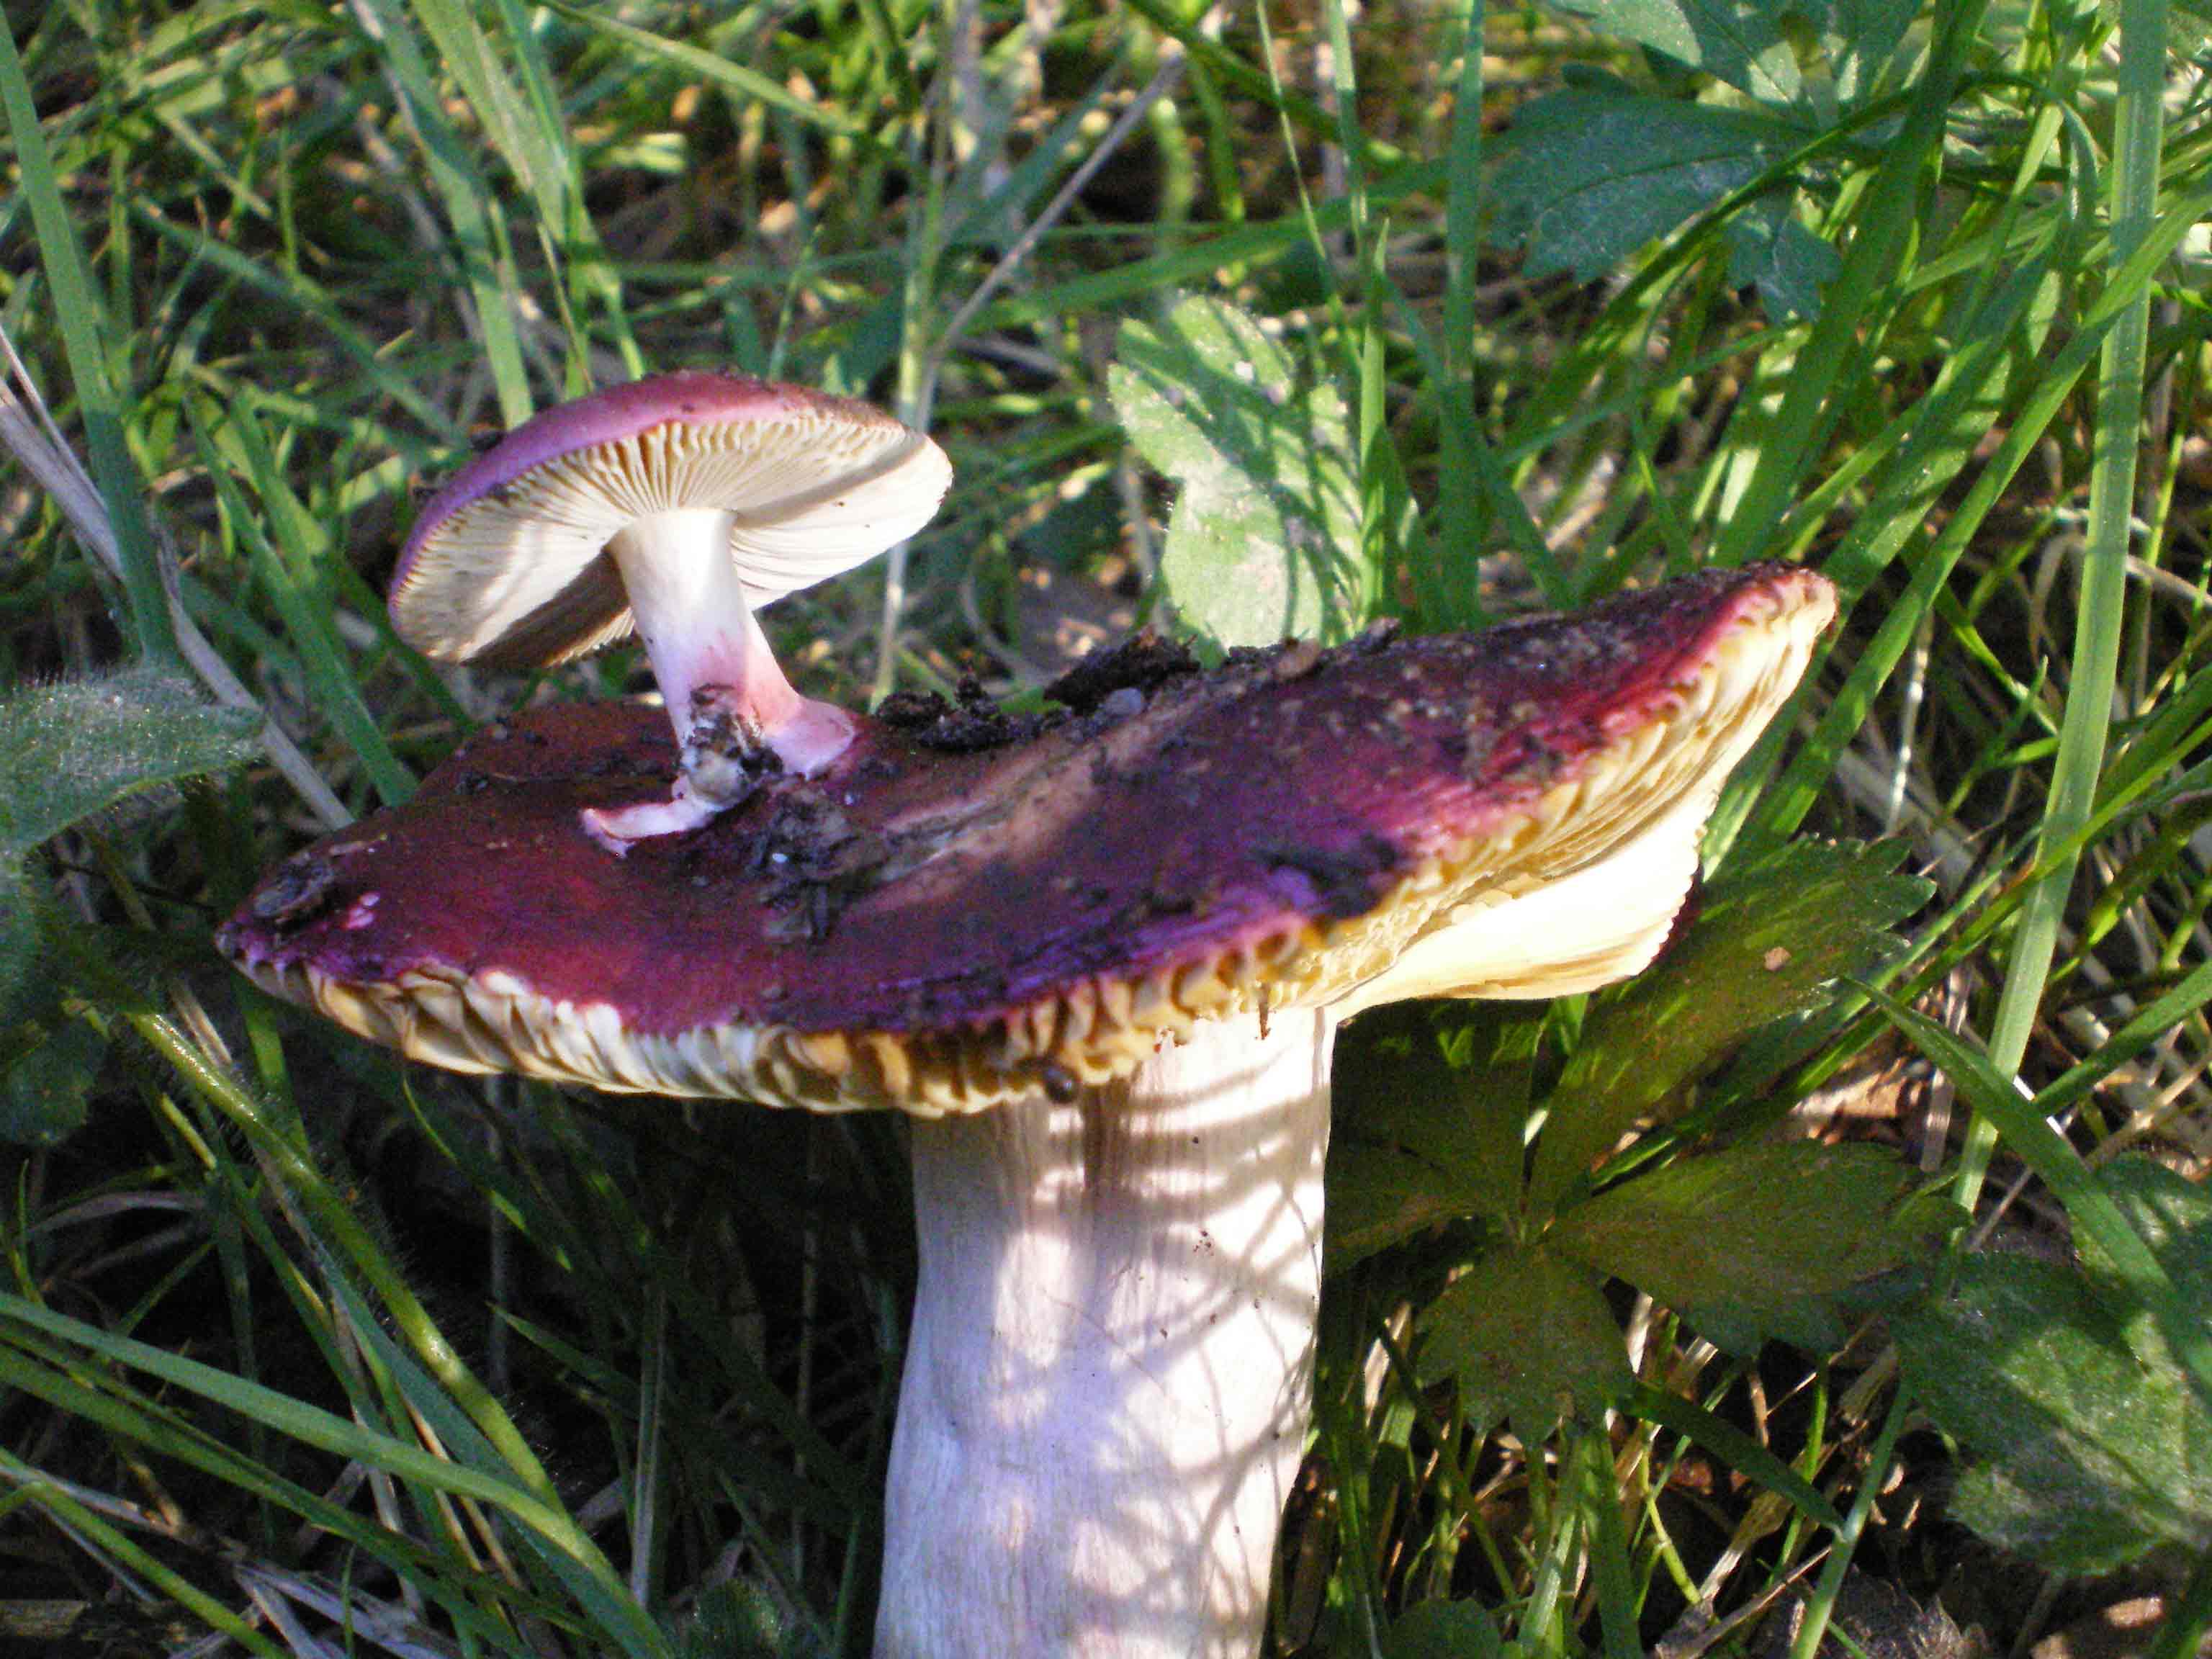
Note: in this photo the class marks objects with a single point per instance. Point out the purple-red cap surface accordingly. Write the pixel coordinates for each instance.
(506, 562)
(965, 904)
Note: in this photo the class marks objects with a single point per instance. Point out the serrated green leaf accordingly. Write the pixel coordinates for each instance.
(74, 749)
(1382, 1195)
(1431, 1101)
(2086, 1453)
(1264, 539)
(1770, 250)
(1756, 1241)
(1442, 1629)
(1770, 936)
(1592, 174)
(44, 1094)
(1529, 1337)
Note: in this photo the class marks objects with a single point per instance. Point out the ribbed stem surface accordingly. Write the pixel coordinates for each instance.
(1111, 1372)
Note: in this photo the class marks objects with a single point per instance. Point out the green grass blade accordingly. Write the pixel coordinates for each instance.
(2088, 1205)
(2153, 1022)
(746, 84)
(310, 1425)
(294, 581)
(1822, 1601)
(1261, 84)
(1884, 223)
(141, 1561)
(1932, 569)
(1463, 197)
(2094, 670)
(586, 1574)
(298, 291)
(481, 248)
(1606, 1537)
(121, 488)
(499, 107)
(287, 1164)
(1736, 1448)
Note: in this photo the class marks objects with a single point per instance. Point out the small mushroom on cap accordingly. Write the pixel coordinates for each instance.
(678, 505)
(1102, 964)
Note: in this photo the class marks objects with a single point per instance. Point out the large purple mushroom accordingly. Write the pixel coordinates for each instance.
(1101, 959)
(676, 505)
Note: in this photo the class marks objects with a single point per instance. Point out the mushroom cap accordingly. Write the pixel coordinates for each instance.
(507, 563)
(941, 921)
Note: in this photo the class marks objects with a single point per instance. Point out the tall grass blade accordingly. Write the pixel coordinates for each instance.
(77, 310)
(1884, 222)
(2090, 1208)
(2093, 673)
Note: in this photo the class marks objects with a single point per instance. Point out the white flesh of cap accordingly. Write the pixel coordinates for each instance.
(1589, 928)
(1572, 926)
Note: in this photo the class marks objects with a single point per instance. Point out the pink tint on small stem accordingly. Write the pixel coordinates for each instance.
(709, 656)
(695, 619)
(619, 829)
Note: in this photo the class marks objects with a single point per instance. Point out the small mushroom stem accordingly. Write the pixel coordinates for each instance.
(1109, 1376)
(701, 635)
(713, 663)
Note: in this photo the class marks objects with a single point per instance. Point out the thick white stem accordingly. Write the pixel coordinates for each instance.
(1109, 1376)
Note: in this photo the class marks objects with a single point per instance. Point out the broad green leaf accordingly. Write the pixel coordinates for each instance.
(1769, 936)
(77, 747)
(1381, 1195)
(1860, 37)
(2174, 1215)
(2139, 1273)
(1431, 1100)
(1592, 174)
(745, 1621)
(42, 1095)
(2086, 1450)
(18, 933)
(1442, 1629)
(1755, 1241)
(1529, 1337)
(1264, 540)
(1758, 46)
(1746, 45)
(1770, 250)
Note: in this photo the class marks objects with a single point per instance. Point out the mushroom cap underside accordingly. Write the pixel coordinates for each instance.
(940, 925)
(508, 562)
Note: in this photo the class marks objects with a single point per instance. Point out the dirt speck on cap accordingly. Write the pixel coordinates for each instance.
(1142, 663)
